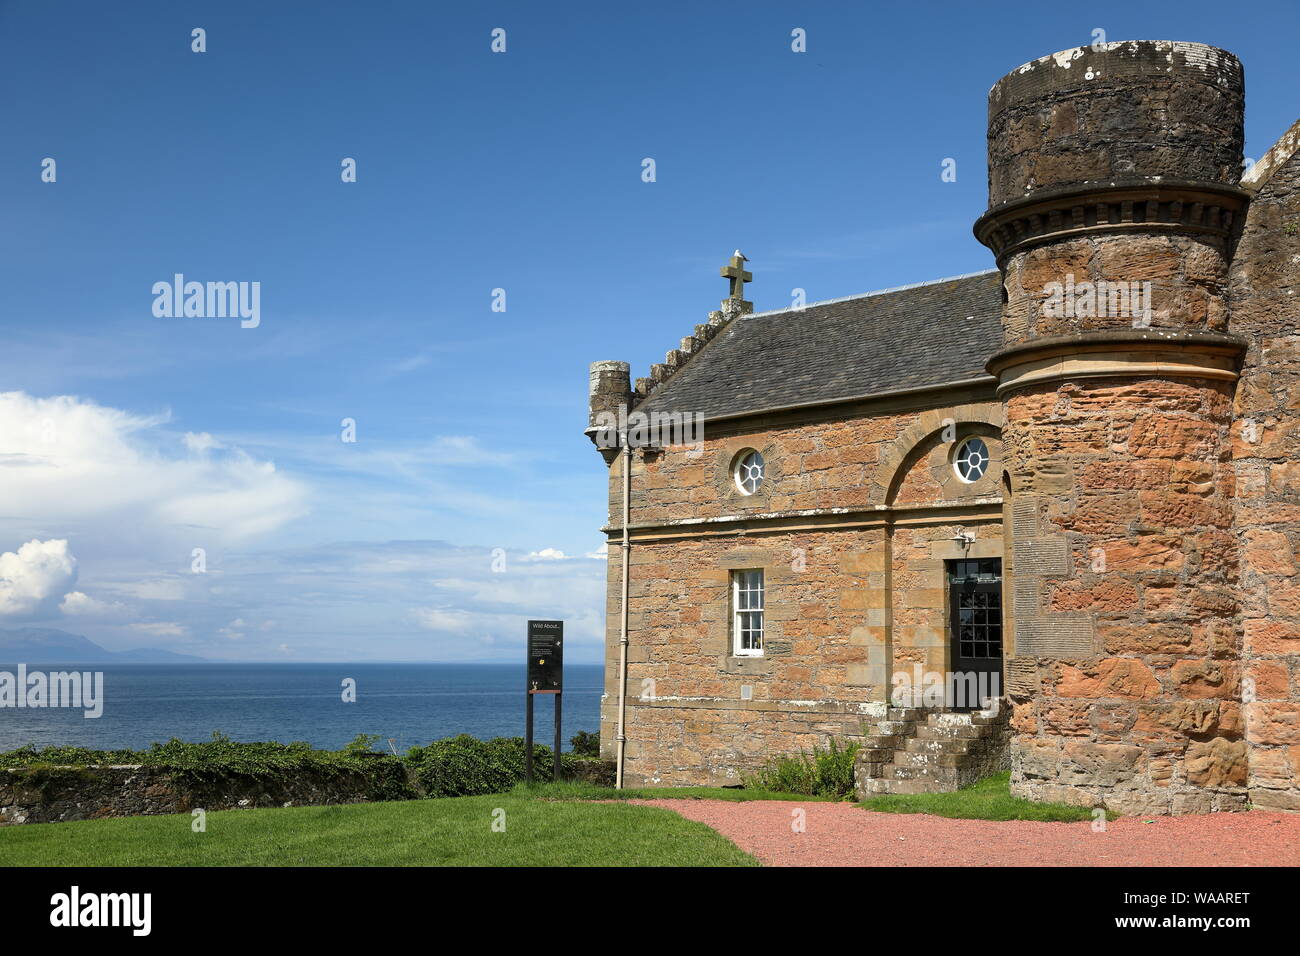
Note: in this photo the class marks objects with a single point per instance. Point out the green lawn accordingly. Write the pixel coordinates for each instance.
(565, 824)
(987, 799)
(539, 831)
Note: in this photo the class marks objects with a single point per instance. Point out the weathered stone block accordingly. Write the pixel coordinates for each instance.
(1217, 763)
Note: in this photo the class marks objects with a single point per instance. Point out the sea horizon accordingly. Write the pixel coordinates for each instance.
(30, 662)
(407, 703)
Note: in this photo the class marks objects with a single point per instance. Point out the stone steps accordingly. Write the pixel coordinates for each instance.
(906, 713)
(895, 728)
(948, 731)
(919, 750)
(906, 758)
(942, 745)
(877, 785)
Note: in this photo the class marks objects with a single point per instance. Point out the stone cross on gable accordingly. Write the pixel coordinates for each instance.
(735, 271)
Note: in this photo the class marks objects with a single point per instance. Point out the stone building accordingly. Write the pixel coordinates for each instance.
(1043, 516)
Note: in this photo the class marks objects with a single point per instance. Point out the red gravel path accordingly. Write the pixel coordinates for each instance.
(840, 834)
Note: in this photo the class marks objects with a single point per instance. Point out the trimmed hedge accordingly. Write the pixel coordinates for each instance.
(211, 762)
(453, 767)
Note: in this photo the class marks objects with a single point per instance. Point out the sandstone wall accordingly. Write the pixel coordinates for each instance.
(846, 458)
(1265, 300)
(835, 495)
(823, 465)
(1125, 111)
(1119, 164)
(687, 721)
(1187, 275)
(1127, 692)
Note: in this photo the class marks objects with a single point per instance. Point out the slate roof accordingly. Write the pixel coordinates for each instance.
(932, 333)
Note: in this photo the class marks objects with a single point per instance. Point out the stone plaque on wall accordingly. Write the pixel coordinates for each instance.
(1022, 677)
(1025, 598)
(1056, 636)
(1044, 555)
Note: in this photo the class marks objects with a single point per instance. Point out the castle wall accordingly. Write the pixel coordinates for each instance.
(823, 532)
(1126, 680)
(687, 721)
(1144, 495)
(919, 550)
(1118, 165)
(1265, 301)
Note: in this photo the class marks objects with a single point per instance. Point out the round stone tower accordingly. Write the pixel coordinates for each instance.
(609, 395)
(1112, 204)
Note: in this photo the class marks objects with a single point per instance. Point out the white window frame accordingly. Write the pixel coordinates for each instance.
(958, 454)
(740, 463)
(744, 614)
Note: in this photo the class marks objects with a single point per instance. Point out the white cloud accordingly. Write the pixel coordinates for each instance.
(163, 629)
(348, 600)
(154, 589)
(117, 479)
(466, 630)
(546, 554)
(443, 619)
(463, 450)
(77, 604)
(35, 578)
(474, 607)
(199, 442)
(554, 554)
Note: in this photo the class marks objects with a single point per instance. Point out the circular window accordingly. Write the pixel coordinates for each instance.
(749, 472)
(971, 460)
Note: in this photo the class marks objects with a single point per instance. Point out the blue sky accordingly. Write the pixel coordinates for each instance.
(136, 439)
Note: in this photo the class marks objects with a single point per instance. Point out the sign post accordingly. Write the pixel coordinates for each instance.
(545, 676)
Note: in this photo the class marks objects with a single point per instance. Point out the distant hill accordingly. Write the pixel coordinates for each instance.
(46, 645)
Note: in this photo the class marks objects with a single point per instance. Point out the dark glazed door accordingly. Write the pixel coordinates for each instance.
(975, 630)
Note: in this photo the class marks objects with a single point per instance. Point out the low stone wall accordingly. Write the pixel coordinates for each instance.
(1089, 774)
(59, 794)
(56, 794)
(598, 773)
(993, 755)
(690, 744)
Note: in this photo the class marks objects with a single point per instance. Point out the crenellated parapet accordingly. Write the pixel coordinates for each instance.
(731, 307)
(611, 394)
(1053, 215)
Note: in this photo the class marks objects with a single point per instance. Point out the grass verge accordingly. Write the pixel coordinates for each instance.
(987, 799)
(454, 831)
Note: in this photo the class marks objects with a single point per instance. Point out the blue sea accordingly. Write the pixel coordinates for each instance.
(409, 703)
